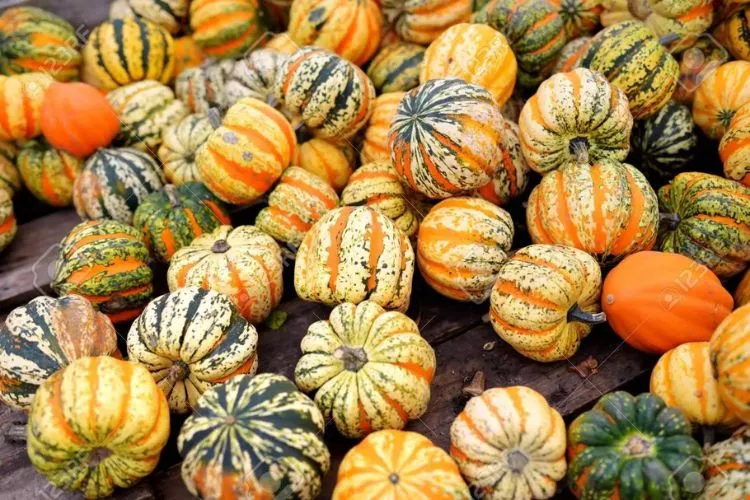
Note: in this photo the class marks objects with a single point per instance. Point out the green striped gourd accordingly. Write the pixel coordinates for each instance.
(734, 34)
(179, 145)
(396, 67)
(202, 88)
(191, 340)
(21, 98)
(7, 220)
(277, 433)
(512, 175)
(226, 28)
(114, 182)
(169, 14)
(421, 21)
(253, 76)
(10, 179)
(579, 17)
(44, 336)
(48, 173)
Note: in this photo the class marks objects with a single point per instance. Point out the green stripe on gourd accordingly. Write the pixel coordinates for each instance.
(396, 67)
(202, 88)
(168, 14)
(254, 76)
(226, 28)
(7, 220)
(10, 179)
(48, 173)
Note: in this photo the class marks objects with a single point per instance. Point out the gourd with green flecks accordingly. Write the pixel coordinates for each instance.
(706, 218)
(728, 462)
(226, 28)
(421, 21)
(734, 34)
(168, 14)
(253, 76)
(202, 88)
(179, 145)
(7, 220)
(579, 17)
(48, 173)
(254, 437)
(10, 179)
(371, 369)
(633, 448)
(734, 148)
(396, 67)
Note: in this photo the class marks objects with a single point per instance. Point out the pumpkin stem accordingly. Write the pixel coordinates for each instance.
(171, 192)
(476, 386)
(214, 117)
(517, 460)
(98, 455)
(669, 220)
(669, 38)
(393, 478)
(220, 246)
(354, 358)
(578, 314)
(178, 371)
(579, 147)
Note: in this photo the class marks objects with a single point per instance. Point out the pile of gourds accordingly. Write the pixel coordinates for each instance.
(381, 137)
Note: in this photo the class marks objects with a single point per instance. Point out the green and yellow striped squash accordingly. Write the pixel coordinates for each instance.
(462, 243)
(354, 254)
(375, 142)
(253, 76)
(330, 95)
(734, 148)
(370, 369)
(243, 263)
(445, 138)
(707, 218)
(7, 220)
(396, 67)
(48, 173)
(114, 182)
(509, 443)
(226, 28)
(21, 99)
(297, 202)
(632, 448)
(10, 179)
(607, 209)
(32, 39)
(124, 51)
(254, 437)
(537, 300)
(145, 109)
(728, 461)
(630, 56)
(105, 419)
(179, 147)
(174, 216)
(665, 142)
(728, 346)
(719, 96)
(191, 340)
(512, 175)
(106, 262)
(44, 336)
(571, 54)
(734, 34)
(169, 14)
(333, 161)
(579, 17)
(574, 117)
(202, 88)
(534, 30)
(422, 21)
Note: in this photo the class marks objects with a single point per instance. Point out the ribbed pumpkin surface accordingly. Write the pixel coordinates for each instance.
(180, 143)
(512, 175)
(187, 54)
(734, 148)
(421, 21)
(719, 96)
(728, 359)
(10, 179)
(21, 99)
(254, 76)
(166, 13)
(249, 430)
(734, 34)
(48, 173)
(106, 420)
(571, 54)
(332, 161)
(375, 143)
(726, 475)
(226, 28)
(579, 17)
(7, 220)
(396, 67)
(202, 88)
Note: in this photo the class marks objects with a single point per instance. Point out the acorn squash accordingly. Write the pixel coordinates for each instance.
(48, 173)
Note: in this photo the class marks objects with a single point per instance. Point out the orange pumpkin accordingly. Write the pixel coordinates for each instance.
(332, 161)
(656, 301)
(742, 293)
(719, 97)
(77, 118)
(187, 54)
(375, 143)
(729, 354)
(21, 99)
(734, 148)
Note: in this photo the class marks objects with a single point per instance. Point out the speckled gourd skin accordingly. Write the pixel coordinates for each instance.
(734, 148)
(179, 146)
(461, 245)
(10, 179)
(370, 369)
(375, 142)
(48, 173)
(254, 437)
(733, 33)
(510, 444)
(421, 21)
(577, 116)
(168, 14)
(354, 254)
(226, 29)
(22, 95)
(253, 76)
(719, 96)
(579, 17)
(512, 175)
(728, 346)
(202, 88)
(726, 476)
(8, 225)
(97, 403)
(396, 67)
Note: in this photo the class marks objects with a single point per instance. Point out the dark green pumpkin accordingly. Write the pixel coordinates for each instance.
(633, 448)
(396, 67)
(173, 217)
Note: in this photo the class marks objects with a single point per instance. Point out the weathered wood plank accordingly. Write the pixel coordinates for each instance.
(84, 15)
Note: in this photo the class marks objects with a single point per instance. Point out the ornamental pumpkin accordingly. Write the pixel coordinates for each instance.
(396, 67)
(644, 445)
(719, 96)
(571, 54)
(413, 469)
(370, 369)
(421, 21)
(10, 179)
(378, 186)
(512, 175)
(375, 142)
(114, 182)
(683, 378)
(191, 340)
(476, 54)
(275, 432)
(350, 28)
(145, 109)
(579, 17)
(696, 63)
(728, 461)
(226, 29)
(534, 29)
(202, 88)
(32, 39)
(106, 262)
(510, 444)
(742, 293)
(545, 300)
(656, 301)
(734, 148)
(253, 76)
(330, 160)
(733, 34)
(461, 245)
(174, 216)
(298, 201)
(630, 56)
(114, 439)
(330, 95)
(445, 138)
(168, 14)
(728, 355)
(187, 54)
(48, 172)
(124, 51)
(607, 209)
(179, 147)
(42, 337)
(21, 99)
(7, 220)
(242, 263)
(576, 116)
(77, 118)
(240, 161)
(354, 254)
(707, 218)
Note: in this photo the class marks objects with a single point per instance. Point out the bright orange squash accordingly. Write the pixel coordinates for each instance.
(719, 97)
(729, 354)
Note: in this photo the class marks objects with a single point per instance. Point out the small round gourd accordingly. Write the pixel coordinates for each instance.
(719, 96)
(10, 179)
(48, 173)
(277, 433)
(396, 67)
(202, 88)
(21, 98)
(422, 21)
(44, 336)
(728, 347)
(579, 17)
(226, 29)
(512, 175)
(461, 245)
(253, 76)
(179, 147)
(375, 142)
(333, 161)
(187, 54)
(354, 254)
(8, 224)
(445, 138)
(726, 475)
(243, 263)
(168, 14)
(734, 148)
(510, 443)
(732, 34)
